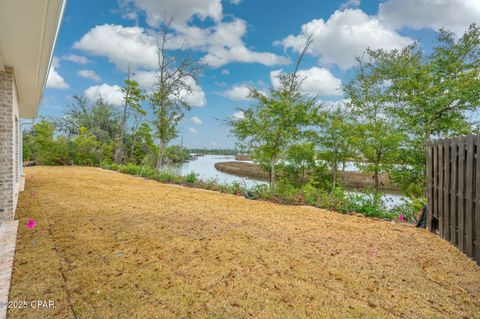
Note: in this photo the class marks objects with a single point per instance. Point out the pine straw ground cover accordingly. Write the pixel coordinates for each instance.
(109, 245)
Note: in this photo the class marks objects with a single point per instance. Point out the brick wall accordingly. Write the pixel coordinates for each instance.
(7, 153)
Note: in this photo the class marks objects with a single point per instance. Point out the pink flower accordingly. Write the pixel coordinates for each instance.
(31, 224)
(373, 251)
(400, 217)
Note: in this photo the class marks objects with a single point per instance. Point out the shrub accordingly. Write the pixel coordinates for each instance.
(368, 205)
(191, 178)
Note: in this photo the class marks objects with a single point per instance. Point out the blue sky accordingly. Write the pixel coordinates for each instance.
(245, 43)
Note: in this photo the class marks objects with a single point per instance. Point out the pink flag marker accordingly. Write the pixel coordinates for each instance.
(400, 217)
(31, 224)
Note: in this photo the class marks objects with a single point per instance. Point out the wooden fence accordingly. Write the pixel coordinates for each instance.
(453, 190)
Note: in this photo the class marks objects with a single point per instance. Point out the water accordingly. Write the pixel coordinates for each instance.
(204, 166)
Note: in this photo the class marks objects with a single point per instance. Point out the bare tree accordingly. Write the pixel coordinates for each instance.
(176, 76)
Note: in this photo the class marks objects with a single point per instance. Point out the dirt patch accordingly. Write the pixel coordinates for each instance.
(108, 245)
(243, 169)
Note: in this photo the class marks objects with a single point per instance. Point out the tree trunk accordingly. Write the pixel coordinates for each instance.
(334, 179)
(343, 174)
(376, 182)
(119, 152)
(161, 155)
(273, 162)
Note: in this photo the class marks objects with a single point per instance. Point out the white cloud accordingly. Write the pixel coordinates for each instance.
(213, 144)
(235, 1)
(222, 41)
(316, 81)
(192, 130)
(238, 93)
(147, 79)
(55, 80)
(225, 72)
(225, 45)
(455, 15)
(350, 4)
(76, 59)
(196, 97)
(335, 105)
(89, 74)
(120, 45)
(196, 120)
(182, 10)
(344, 36)
(238, 115)
(109, 93)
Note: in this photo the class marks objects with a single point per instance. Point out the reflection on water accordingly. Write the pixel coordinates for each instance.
(204, 167)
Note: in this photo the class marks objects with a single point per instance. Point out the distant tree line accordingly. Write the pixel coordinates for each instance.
(395, 102)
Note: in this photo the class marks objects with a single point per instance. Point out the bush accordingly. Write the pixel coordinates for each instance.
(369, 205)
(191, 178)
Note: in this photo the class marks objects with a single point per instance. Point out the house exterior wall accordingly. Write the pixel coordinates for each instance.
(9, 146)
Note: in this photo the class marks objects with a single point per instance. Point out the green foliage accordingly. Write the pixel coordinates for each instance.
(191, 178)
(335, 140)
(143, 149)
(368, 204)
(100, 119)
(87, 148)
(175, 80)
(377, 135)
(299, 162)
(432, 94)
(133, 95)
(276, 121)
(177, 154)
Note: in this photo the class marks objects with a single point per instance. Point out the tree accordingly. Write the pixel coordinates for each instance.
(300, 160)
(175, 80)
(99, 118)
(144, 150)
(377, 137)
(276, 121)
(334, 139)
(132, 96)
(86, 148)
(433, 95)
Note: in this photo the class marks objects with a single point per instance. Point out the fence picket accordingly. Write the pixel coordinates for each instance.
(460, 194)
(440, 188)
(453, 193)
(429, 185)
(446, 191)
(476, 216)
(469, 198)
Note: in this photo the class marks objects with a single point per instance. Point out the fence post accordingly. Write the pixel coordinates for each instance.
(469, 198)
(429, 186)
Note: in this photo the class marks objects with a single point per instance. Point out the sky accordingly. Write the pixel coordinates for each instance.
(245, 44)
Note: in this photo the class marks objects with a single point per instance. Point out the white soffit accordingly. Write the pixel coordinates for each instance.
(28, 30)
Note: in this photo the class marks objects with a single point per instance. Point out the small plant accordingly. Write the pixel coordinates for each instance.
(191, 178)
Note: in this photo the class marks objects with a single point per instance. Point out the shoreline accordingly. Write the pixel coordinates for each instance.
(353, 180)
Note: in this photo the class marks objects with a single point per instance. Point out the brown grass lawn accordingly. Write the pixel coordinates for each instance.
(109, 245)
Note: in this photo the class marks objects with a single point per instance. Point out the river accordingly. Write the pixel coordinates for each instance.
(204, 167)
